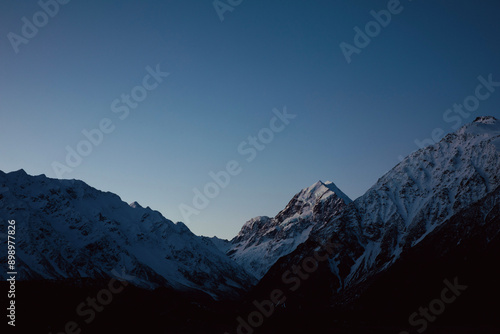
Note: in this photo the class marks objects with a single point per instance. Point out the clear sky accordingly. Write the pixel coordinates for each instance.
(353, 120)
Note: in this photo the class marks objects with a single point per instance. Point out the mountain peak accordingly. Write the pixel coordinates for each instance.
(19, 172)
(483, 128)
(263, 240)
(485, 120)
(320, 189)
(136, 205)
(330, 185)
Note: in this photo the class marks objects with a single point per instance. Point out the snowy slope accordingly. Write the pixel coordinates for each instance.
(425, 189)
(408, 203)
(67, 229)
(263, 240)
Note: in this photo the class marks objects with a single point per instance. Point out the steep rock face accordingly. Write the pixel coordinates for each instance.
(263, 240)
(416, 196)
(464, 248)
(406, 205)
(67, 229)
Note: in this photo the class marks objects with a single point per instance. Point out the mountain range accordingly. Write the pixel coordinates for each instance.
(69, 230)
(434, 216)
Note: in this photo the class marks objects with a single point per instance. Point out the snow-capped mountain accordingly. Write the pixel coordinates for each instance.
(407, 204)
(263, 240)
(67, 229)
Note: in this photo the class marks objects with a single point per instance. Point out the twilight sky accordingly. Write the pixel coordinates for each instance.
(102, 65)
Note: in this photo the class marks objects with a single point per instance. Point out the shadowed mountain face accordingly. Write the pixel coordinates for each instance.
(263, 240)
(422, 222)
(463, 251)
(411, 201)
(69, 230)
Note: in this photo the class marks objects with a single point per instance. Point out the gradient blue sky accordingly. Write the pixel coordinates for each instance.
(353, 120)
